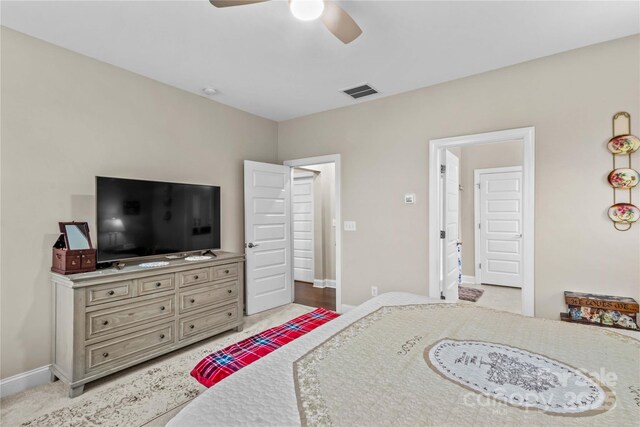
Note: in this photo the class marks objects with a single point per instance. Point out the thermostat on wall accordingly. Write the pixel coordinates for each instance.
(410, 198)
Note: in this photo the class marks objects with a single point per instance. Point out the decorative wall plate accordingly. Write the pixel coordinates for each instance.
(623, 144)
(624, 178)
(624, 213)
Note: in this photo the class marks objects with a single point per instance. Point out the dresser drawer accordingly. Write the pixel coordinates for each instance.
(109, 292)
(221, 272)
(149, 285)
(194, 277)
(203, 322)
(118, 318)
(120, 351)
(206, 297)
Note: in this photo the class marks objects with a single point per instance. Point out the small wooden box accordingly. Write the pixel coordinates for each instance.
(70, 262)
(73, 252)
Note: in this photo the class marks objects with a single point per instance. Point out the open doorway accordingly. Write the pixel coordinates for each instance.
(314, 229)
(481, 219)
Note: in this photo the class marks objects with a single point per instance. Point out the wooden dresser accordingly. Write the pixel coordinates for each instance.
(108, 320)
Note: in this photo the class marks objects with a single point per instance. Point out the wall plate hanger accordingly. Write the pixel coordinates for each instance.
(624, 179)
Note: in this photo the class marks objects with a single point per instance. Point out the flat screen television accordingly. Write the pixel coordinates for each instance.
(144, 218)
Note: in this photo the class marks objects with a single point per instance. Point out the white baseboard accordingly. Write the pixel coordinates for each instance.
(346, 307)
(326, 283)
(468, 279)
(25, 381)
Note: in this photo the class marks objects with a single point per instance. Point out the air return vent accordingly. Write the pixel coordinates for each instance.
(360, 91)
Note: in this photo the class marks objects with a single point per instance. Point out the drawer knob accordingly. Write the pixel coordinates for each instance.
(158, 284)
(162, 308)
(161, 336)
(73, 263)
(105, 323)
(229, 291)
(110, 292)
(105, 354)
(229, 314)
(191, 326)
(195, 277)
(88, 261)
(192, 300)
(226, 272)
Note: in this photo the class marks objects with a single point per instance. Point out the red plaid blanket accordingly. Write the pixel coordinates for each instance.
(219, 365)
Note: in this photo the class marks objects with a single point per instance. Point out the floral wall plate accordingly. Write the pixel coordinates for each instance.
(624, 178)
(623, 144)
(624, 212)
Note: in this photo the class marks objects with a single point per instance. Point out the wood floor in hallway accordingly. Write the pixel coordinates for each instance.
(306, 294)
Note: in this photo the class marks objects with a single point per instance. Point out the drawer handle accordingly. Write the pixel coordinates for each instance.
(191, 326)
(229, 291)
(105, 354)
(73, 263)
(229, 314)
(161, 336)
(162, 308)
(158, 284)
(226, 272)
(110, 292)
(88, 261)
(105, 323)
(195, 277)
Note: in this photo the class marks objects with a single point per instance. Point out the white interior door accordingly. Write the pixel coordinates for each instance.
(500, 248)
(450, 202)
(267, 219)
(303, 229)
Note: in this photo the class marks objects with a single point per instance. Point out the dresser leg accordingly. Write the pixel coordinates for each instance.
(239, 328)
(76, 391)
(53, 377)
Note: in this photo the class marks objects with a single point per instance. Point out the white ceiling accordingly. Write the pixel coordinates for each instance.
(264, 61)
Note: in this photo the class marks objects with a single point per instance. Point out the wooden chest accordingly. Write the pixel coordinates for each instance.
(70, 262)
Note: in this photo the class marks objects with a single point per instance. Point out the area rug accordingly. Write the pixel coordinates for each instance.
(469, 294)
(219, 365)
(460, 364)
(136, 396)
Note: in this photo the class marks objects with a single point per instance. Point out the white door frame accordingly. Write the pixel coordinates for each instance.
(476, 210)
(335, 159)
(527, 136)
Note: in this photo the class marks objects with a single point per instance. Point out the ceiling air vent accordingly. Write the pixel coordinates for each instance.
(360, 91)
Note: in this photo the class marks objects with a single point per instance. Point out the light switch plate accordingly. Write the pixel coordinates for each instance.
(349, 226)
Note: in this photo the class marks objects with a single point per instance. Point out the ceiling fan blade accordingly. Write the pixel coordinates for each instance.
(227, 3)
(339, 22)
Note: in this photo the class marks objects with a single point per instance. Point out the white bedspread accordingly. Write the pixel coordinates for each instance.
(263, 393)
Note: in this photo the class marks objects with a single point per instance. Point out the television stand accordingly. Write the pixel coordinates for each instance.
(209, 252)
(109, 320)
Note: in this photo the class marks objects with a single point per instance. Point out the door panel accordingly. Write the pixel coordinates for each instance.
(450, 216)
(303, 229)
(500, 222)
(267, 219)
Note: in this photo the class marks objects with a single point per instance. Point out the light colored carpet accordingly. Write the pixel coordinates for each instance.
(149, 394)
(499, 297)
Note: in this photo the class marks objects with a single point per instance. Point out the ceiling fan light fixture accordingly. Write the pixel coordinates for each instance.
(306, 10)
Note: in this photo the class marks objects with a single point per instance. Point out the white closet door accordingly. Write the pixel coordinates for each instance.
(500, 248)
(303, 260)
(267, 228)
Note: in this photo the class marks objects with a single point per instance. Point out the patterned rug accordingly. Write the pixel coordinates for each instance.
(137, 396)
(469, 294)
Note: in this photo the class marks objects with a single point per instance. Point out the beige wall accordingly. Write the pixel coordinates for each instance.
(67, 118)
(569, 98)
(482, 156)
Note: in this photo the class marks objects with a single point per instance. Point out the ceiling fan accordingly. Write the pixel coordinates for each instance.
(333, 16)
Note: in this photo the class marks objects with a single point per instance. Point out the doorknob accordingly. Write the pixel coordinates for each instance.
(251, 245)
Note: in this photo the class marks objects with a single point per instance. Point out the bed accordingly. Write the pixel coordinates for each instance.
(404, 359)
